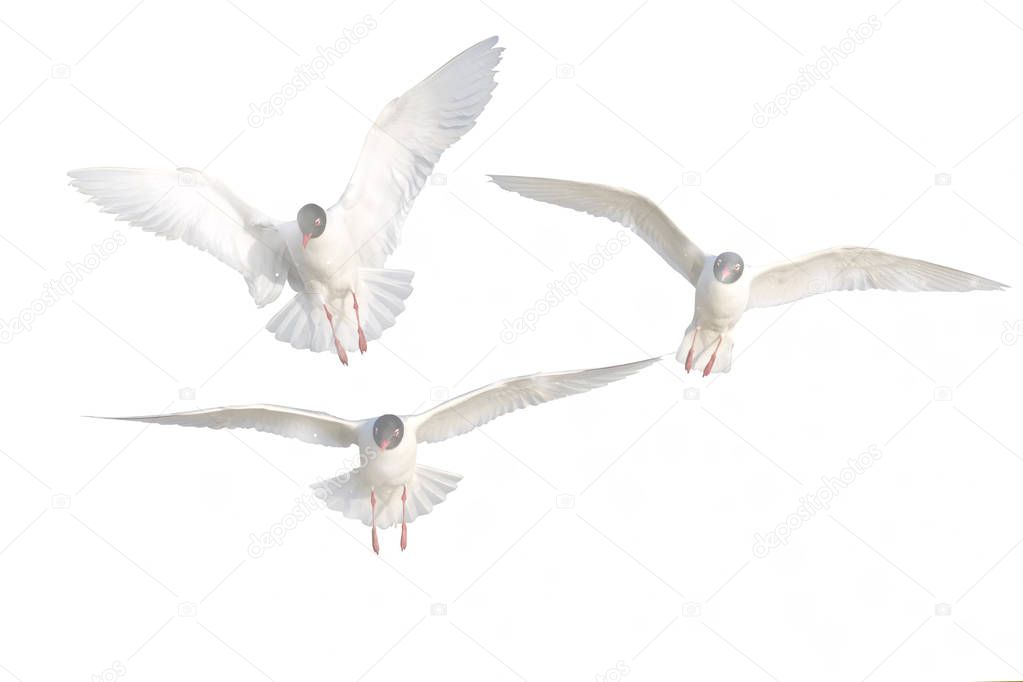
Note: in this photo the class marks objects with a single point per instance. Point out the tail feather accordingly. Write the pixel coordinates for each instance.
(429, 488)
(302, 324)
(703, 348)
(381, 294)
(350, 495)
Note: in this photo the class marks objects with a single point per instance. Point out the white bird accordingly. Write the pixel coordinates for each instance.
(388, 487)
(333, 258)
(723, 291)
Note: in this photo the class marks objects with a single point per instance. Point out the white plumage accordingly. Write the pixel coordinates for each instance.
(405, 142)
(388, 444)
(850, 268)
(188, 205)
(338, 272)
(723, 289)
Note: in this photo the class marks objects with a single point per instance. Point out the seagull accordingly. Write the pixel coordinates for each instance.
(332, 257)
(388, 487)
(724, 291)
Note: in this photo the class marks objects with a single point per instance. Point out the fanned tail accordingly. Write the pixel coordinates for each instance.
(381, 294)
(303, 324)
(349, 494)
(706, 341)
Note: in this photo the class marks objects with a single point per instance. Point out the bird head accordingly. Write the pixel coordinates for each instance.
(312, 221)
(728, 267)
(388, 431)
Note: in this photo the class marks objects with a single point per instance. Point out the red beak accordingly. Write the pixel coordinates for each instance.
(385, 444)
(305, 240)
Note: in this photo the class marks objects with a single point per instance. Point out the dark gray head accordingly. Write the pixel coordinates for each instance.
(312, 220)
(728, 267)
(388, 431)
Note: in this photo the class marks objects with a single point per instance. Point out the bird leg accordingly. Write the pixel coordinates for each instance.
(373, 507)
(689, 357)
(337, 344)
(713, 357)
(358, 323)
(404, 527)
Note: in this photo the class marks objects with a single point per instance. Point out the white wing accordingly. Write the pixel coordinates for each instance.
(632, 210)
(188, 205)
(319, 428)
(848, 268)
(466, 412)
(405, 142)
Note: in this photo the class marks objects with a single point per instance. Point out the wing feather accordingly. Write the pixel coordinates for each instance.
(318, 428)
(850, 268)
(634, 211)
(466, 412)
(406, 141)
(199, 210)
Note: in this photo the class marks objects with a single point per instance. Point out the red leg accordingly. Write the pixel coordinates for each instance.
(713, 357)
(689, 357)
(404, 527)
(337, 344)
(373, 506)
(358, 323)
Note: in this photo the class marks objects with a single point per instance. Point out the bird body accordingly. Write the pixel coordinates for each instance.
(724, 291)
(326, 263)
(333, 258)
(717, 308)
(389, 486)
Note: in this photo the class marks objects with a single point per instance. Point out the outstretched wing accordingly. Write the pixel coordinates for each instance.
(850, 268)
(319, 428)
(188, 205)
(632, 210)
(406, 140)
(466, 412)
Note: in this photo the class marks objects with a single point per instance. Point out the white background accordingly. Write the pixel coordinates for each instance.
(125, 551)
